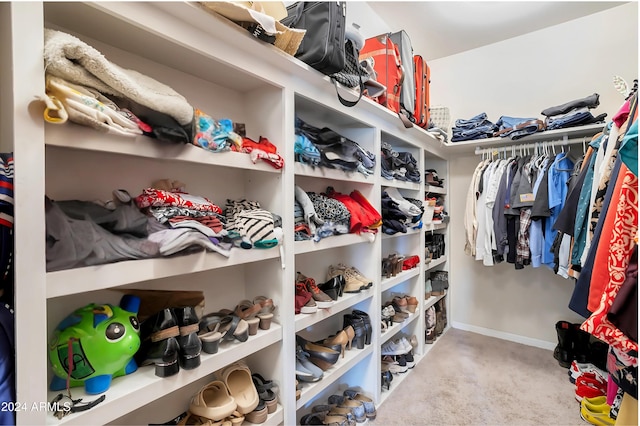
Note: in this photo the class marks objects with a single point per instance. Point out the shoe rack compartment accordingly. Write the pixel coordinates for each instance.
(344, 365)
(388, 283)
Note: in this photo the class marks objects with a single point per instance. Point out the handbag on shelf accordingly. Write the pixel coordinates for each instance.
(323, 44)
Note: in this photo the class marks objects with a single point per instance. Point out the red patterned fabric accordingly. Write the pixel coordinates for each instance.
(152, 197)
(621, 244)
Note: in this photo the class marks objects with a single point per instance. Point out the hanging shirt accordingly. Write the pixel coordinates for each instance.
(559, 173)
(470, 219)
(536, 237)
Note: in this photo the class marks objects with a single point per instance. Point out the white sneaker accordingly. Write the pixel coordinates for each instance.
(392, 348)
(577, 369)
(406, 344)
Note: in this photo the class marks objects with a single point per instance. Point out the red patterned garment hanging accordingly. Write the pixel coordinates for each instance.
(621, 245)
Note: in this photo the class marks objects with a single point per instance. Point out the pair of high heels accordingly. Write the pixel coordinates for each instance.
(392, 265)
(344, 338)
(322, 356)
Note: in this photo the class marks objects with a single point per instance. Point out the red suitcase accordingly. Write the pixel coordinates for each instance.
(422, 78)
(388, 67)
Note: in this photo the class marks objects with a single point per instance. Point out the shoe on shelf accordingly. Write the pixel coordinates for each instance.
(304, 300)
(248, 311)
(190, 344)
(352, 284)
(266, 392)
(390, 364)
(368, 328)
(577, 369)
(358, 275)
(306, 371)
(341, 338)
(213, 401)
(237, 378)
(369, 406)
(259, 415)
(408, 347)
(356, 407)
(322, 356)
(267, 308)
(323, 301)
(163, 354)
(333, 287)
(359, 328)
(393, 348)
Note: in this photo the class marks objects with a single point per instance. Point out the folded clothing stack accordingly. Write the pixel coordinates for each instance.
(399, 212)
(399, 165)
(320, 215)
(327, 148)
(573, 113)
(477, 127)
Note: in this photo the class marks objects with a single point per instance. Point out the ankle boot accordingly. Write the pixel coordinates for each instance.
(367, 325)
(357, 323)
(563, 351)
(190, 345)
(164, 355)
(580, 344)
(160, 326)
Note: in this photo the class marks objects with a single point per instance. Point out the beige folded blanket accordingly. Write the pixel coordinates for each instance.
(72, 59)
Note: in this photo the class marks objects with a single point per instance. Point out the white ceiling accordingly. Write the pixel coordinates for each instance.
(444, 28)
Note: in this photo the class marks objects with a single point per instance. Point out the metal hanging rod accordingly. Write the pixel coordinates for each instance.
(517, 147)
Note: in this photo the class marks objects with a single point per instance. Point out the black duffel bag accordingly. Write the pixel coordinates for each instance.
(323, 45)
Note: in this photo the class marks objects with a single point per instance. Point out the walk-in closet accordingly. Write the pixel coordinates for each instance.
(196, 228)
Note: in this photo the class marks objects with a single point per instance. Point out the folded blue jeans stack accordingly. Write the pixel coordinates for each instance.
(517, 127)
(573, 113)
(477, 127)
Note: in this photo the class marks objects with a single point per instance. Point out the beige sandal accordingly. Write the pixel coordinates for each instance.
(213, 402)
(237, 378)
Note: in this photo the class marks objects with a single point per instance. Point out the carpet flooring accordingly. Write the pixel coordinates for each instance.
(471, 379)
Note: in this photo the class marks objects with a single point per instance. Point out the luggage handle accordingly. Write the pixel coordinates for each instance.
(396, 89)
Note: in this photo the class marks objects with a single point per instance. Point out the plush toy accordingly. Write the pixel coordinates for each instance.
(95, 344)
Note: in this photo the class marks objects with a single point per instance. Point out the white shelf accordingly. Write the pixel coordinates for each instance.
(274, 419)
(432, 300)
(347, 300)
(91, 278)
(75, 136)
(430, 226)
(131, 392)
(351, 358)
(558, 134)
(397, 326)
(434, 263)
(333, 242)
(400, 234)
(333, 174)
(412, 186)
(434, 189)
(388, 283)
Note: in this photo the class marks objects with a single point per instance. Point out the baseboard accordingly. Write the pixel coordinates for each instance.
(505, 336)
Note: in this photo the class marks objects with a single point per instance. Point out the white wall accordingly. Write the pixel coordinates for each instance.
(520, 77)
